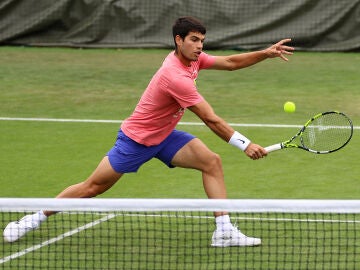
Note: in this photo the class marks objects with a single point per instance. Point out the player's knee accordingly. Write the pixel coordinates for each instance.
(214, 161)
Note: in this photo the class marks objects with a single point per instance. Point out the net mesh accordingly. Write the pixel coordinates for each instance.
(169, 239)
(327, 132)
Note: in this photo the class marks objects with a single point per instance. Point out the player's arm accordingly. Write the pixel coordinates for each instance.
(221, 128)
(238, 61)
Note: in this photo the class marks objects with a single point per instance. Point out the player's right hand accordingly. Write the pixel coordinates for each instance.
(255, 151)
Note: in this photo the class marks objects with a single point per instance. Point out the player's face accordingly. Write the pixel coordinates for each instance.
(191, 47)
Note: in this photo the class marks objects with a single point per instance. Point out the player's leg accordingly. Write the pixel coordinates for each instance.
(103, 178)
(99, 181)
(196, 155)
(124, 157)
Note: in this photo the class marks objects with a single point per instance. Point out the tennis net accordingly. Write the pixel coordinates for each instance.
(176, 234)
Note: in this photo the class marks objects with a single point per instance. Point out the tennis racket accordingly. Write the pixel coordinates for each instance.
(324, 133)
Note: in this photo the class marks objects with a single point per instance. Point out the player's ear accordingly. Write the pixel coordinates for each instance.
(178, 40)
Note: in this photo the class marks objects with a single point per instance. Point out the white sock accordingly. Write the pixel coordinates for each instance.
(39, 217)
(223, 223)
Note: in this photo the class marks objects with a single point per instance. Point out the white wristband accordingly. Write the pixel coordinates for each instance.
(239, 140)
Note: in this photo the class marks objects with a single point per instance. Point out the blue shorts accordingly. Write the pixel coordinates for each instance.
(127, 155)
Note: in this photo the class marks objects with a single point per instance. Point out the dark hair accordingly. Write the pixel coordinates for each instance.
(184, 25)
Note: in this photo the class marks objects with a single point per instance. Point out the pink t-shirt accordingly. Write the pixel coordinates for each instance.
(170, 91)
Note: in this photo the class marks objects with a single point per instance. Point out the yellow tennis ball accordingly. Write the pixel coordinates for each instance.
(289, 107)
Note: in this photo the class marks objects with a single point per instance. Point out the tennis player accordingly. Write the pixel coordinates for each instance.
(150, 130)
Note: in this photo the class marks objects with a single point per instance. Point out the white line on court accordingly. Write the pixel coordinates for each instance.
(31, 119)
(249, 218)
(55, 239)
(120, 121)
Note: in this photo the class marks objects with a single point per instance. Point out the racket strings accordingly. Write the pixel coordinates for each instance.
(327, 132)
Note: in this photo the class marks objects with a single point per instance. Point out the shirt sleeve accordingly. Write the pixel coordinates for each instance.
(206, 60)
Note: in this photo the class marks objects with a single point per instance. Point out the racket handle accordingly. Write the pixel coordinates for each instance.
(273, 147)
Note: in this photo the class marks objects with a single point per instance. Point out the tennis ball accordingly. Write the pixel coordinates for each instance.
(289, 107)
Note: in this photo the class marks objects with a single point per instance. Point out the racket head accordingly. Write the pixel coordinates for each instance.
(326, 132)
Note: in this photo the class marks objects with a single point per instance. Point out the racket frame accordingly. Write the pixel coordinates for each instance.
(289, 144)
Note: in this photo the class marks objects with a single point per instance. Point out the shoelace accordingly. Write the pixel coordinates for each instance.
(235, 228)
(28, 224)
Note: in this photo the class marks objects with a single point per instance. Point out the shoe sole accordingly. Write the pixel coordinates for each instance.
(229, 244)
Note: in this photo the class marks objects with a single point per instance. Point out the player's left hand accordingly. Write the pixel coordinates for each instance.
(280, 50)
(255, 151)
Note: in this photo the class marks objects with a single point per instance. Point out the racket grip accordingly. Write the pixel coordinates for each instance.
(273, 147)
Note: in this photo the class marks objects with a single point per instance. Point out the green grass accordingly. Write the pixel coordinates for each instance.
(39, 159)
(42, 158)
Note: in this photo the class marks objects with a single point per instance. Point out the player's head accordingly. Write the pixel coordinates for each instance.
(184, 25)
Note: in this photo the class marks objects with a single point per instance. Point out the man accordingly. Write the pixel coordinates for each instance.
(150, 131)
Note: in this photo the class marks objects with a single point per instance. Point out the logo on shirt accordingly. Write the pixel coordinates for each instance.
(179, 113)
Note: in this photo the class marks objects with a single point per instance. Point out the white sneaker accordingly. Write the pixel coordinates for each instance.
(16, 229)
(233, 237)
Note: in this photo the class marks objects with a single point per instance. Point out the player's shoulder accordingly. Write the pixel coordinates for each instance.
(172, 66)
(172, 61)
